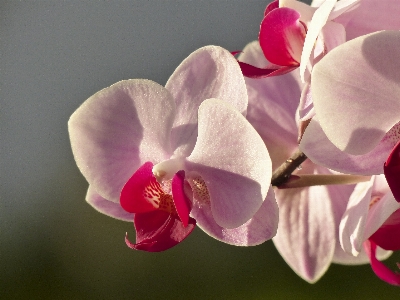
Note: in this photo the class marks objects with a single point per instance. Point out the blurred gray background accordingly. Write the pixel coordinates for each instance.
(53, 56)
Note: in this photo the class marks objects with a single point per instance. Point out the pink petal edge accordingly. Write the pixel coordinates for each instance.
(378, 267)
(269, 71)
(107, 207)
(260, 228)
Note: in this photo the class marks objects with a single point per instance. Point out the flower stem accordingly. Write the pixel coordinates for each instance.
(283, 178)
(297, 181)
(283, 172)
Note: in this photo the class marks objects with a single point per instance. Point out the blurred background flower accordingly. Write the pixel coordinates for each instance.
(53, 245)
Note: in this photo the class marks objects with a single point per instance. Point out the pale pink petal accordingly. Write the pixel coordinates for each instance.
(107, 207)
(304, 9)
(340, 199)
(306, 232)
(274, 120)
(343, 6)
(371, 16)
(339, 195)
(272, 109)
(308, 114)
(318, 21)
(352, 225)
(332, 35)
(362, 258)
(380, 186)
(233, 161)
(306, 107)
(379, 213)
(252, 54)
(340, 256)
(316, 3)
(260, 228)
(321, 151)
(209, 72)
(319, 49)
(282, 36)
(355, 90)
(118, 129)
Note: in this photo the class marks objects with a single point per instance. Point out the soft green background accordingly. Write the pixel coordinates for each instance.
(54, 55)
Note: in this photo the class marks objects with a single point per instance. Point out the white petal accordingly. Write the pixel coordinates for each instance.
(321, 151)
(304, 9)
(209, 72)
(332, 35)
(118, 129)
(233, 161)
(379, 213)
(306, 232)
(370, 16)
(314, 28)
(352, 225)
(106, 207)
(272, 109)
(355, 90)
(343, 6)
(344, 258)
(260, 228)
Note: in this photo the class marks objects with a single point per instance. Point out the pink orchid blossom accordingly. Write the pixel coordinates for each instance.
(356, 92)
(293, 34)
(308, 234)
(169, 158)
(334, 23)
(372, 219)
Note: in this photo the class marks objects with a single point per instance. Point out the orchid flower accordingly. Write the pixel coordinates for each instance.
(293, 34)
(175, 156)
(333, 23)
(372, 219)
(309, 217)
(356, 92)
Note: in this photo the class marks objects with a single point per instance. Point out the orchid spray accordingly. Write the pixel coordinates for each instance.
(284, 133)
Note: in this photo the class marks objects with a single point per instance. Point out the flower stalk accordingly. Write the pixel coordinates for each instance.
(283, 178)
(282, 174)
(297, 181)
